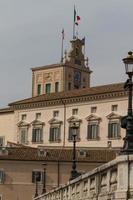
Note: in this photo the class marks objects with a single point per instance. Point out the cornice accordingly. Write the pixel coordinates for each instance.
(69, 100)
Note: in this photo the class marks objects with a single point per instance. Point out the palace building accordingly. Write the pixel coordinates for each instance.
(62, 99)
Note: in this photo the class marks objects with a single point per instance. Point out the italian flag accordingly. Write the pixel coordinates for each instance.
(76, 17)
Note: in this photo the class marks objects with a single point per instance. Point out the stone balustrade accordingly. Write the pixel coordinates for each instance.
(113, 180)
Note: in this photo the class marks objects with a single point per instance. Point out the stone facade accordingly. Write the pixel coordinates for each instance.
(59, 112)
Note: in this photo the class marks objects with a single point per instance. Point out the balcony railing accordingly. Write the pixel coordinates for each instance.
(113, 180)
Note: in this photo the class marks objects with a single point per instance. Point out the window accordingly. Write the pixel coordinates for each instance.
(84, 80)
(70, 135)
(69, 86)
(2, 141)
(113, 130)
(38, 89)
(37, 135)
(37, 176)
(54, 134)
(77, 51)
(2, 176)
(57, 87)
(38, 115)
(93, 109)
(92, 132)
(56, 113)
(74, 111)
(48, 88)
(23, 117)
(23, 135)
(114, 107)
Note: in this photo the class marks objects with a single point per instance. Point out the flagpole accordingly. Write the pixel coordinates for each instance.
(74, 18)
(84, 48)
(62, 45)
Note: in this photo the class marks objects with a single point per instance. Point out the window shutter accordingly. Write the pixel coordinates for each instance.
(70, 134)
(89, 136)
(109, 130)
(2, 176)
(50, 134)
(33, 135)
(41, 136)
(59, 130)
(118, 130)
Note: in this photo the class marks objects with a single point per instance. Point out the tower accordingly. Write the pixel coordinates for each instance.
(73, 73)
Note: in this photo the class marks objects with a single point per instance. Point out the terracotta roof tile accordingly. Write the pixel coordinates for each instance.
(54, 154)
(97, 90)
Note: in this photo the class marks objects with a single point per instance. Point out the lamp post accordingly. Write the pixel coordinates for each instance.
(74, 173)
(44, 179)
(127, 121)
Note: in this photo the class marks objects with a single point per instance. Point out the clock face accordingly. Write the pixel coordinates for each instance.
(77, 75)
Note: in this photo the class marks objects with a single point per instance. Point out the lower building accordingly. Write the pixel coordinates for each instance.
(19, 166)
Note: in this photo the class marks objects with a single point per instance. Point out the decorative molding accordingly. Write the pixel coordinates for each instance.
(74, 119)
(22, 124)
(37, 122)
(67, 100)
(113, 115)
(93, 117)
(54, 121)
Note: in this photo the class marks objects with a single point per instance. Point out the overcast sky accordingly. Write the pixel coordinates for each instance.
(30, 36)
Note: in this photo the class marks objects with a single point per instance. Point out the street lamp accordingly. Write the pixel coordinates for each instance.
(44, 179)
(74, 173)
(127, 121)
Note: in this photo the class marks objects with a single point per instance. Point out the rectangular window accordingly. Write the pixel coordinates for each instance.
(69, 86)
(38, 115)
(23, 117)
(92, 132)
(48, 88)
(2, 141)
(23, 136)
(57, 87)
(93, 109)
(113, 130)
(2, 176)
(71, 131)
(55, 113)
(54, 134)
(114, 107)
(37, 176)
(37, 135)
(74, 111)
(39, 89)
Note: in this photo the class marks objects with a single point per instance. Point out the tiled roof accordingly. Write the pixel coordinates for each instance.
(97, 90)
(22, 153)
(46, 66)
(6, 110)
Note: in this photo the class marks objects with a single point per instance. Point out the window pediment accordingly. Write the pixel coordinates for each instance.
(93, 117)
(37, 122)
(54, 121)
(23, 124)
(73, 119)
(113, 115)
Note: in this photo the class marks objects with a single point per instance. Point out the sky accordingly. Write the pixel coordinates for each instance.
(30, 36)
